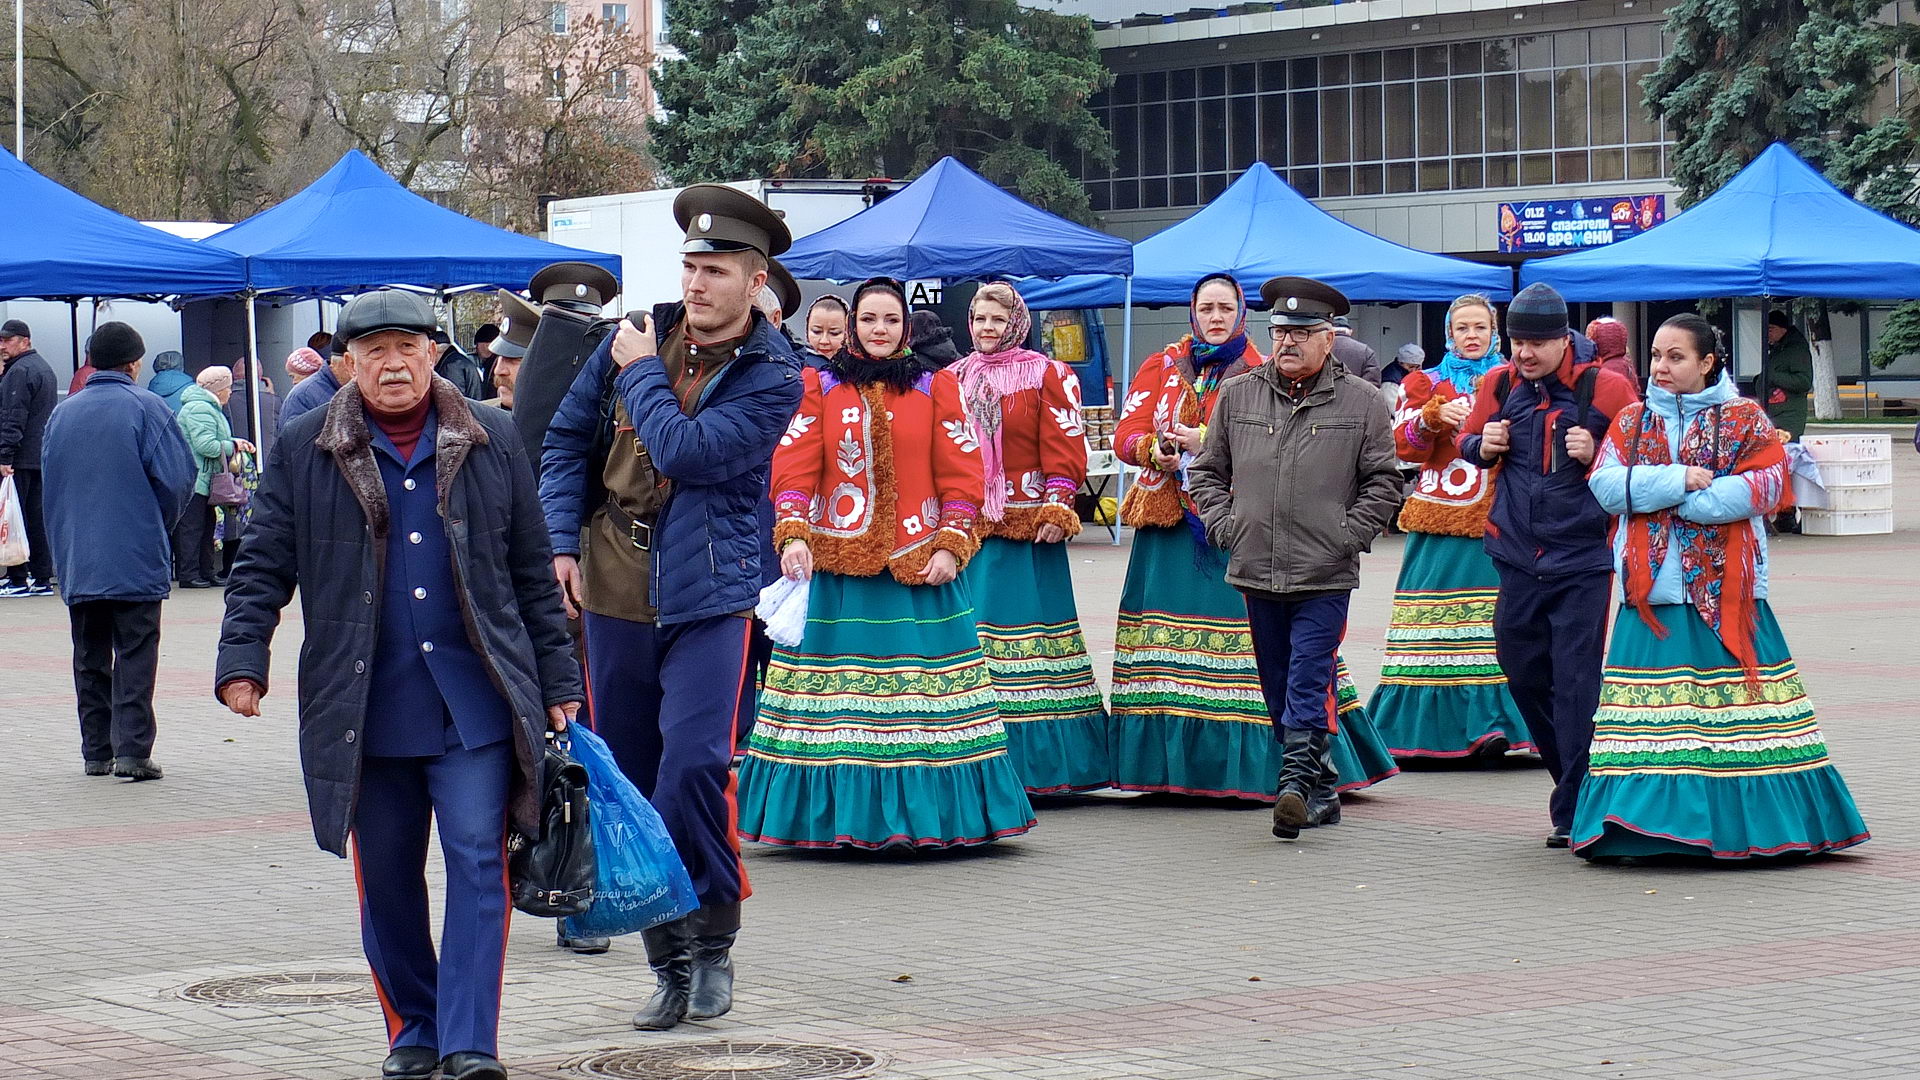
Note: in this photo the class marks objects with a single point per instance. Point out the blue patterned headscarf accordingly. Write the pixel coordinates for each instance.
(1462, 372)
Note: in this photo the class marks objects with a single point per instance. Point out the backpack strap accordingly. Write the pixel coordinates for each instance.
(1583, 392)
(1503, 385)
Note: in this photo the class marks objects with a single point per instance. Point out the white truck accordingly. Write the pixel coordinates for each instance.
(639, 227)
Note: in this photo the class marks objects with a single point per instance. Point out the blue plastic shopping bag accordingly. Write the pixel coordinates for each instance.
(641, 882)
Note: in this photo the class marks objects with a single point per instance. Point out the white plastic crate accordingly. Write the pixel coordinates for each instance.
(1878, 497)
(1855, 472)
(1846, 522)
(1869, 446)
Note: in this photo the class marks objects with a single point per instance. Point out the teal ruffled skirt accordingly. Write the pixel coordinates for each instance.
(1690, 759)
(881, 728)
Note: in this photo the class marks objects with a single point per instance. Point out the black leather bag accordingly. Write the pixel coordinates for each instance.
(552, 874)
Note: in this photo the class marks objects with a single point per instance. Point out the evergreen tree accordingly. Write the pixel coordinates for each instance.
(881, 87)
(1740, 76)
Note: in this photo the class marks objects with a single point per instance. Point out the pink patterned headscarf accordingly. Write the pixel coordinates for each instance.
(988, 378)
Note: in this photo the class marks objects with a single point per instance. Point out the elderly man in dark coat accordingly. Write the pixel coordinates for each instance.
(436, 655)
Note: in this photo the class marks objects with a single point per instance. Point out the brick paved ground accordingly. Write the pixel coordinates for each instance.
(1429, 936)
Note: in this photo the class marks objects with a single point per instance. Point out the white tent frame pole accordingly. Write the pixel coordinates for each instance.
(253, 381)
(1117, 399)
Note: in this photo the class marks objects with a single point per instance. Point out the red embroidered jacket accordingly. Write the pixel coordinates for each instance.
(1163, 393)
(874, 480)
(1043, 450)
(1452, 495)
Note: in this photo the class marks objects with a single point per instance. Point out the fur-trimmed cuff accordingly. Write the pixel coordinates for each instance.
(790, 529)
(1061, 490)
(1138, 451)
(1062, 516)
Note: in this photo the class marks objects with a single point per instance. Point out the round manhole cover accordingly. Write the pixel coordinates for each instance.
(705, 1061)
(284, 988)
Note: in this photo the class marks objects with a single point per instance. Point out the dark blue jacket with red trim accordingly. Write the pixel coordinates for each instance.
(1545, 521)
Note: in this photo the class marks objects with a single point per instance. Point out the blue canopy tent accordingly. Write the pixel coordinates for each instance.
(1778, 228)
(953, 223)
(357, 228)
(1261, 228)
(62, 246)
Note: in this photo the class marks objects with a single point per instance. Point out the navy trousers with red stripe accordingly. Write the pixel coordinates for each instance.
(1296, 644)
(450, 1002)
(666, 700)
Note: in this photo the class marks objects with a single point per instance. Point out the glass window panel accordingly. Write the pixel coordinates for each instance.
(1368, 132)
(1273, 129)
(1369, 180)
(1434, 118)
(1126, 141)
(1243, 133)
(1466, 173)
(1183, 132)
(1180, 84)
(1213, 81)
(1643, 163)
(1240, 79)
(1211, 185)
(1570, 167)
(1186, 192)
(1609, 164)
(1434, 175)
(1607, 44)
(1535, 51)
(1570, 108)
(1126, 195)
(1399, 120)
(1304, 73)
(1430, 61)
(1336, 125)
(1503, 171)
(1306, 129)
(1399, 63)
(1366, 67)
(1273, 74)
(1153, 192)
(1570, 48)
(1606, 104)
(1100, 196)
(1643, 41)
(1153, 140)
(1536, 110)
(1503, 104)
(1400, 178)
(1466, 58)
(1095, 170)
(1499, 54)
(1640, 125)
(1126, 88)
(1468, 115)
(1335, 182)
(1334, 70)
(1536, 169)
(1213, 134)
(1153, 87)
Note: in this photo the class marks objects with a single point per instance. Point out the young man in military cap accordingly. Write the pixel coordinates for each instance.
(655, 485)
(510, 346)
(1539, 417)
(1295, 478)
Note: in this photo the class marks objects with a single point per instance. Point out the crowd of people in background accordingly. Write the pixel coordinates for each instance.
(919, 500)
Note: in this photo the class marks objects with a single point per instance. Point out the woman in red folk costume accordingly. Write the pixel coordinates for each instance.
(1441, 692)
(1187, 713)
(880, 728)
(1705, 742)
(1026, 408)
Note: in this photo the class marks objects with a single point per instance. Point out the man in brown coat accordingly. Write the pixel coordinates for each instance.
(1296, 477)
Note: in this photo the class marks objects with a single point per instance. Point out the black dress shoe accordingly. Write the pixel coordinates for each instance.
(99, 768)
(196, 584)
(585, 946)
(136, 768)
(1558, 838)
(410, 1063)
(472, 1065)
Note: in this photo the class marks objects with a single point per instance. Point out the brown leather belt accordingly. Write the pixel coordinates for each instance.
(639, 533)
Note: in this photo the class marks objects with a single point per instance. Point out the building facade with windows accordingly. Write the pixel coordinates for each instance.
(1422, 121)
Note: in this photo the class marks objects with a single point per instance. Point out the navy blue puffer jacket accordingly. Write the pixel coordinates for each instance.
(713, 536)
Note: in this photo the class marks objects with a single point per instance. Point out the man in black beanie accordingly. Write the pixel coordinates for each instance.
(118, 473)
(1539, 419)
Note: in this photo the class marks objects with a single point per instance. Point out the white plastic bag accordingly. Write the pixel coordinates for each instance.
(783, 607)
(13, 525)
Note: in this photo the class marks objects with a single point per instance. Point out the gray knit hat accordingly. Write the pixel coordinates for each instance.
(1539, 313)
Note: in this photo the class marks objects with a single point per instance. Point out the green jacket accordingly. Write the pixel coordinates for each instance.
(1788, 374)
(208, 433)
